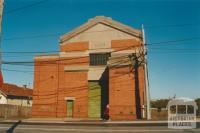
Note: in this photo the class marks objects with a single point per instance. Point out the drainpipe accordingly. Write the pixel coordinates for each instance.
(147, 93)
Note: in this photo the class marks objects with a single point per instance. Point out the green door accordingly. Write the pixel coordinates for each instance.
(70, 104)
(94, 108)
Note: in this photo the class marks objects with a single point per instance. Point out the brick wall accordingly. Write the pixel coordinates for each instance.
(74, 46)
(52, 84)
(125, 44)
(73, 84)
(124, 98)
(122, 95)
(45, 88)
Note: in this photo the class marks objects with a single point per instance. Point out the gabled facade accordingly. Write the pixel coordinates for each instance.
(91, 71)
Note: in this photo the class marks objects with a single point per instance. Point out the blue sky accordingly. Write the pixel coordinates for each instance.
(173, 67)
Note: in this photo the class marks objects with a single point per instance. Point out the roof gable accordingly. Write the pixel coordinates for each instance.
(103, 20)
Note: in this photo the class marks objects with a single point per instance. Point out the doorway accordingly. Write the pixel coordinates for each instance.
(94, 100)
(70, 108)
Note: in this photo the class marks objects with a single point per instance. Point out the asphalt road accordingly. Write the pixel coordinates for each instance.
(17, 128)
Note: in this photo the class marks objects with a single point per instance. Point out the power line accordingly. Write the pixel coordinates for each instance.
(174, 53)
(54, 61)
(43, 52)
(25, 7)
(43, 35)
(60, 33)
(46, 52)
(31, 71)
(31, 37)
(32, 63)
(171, 25)
(176, 49)
(173, 41)
(148, 44)
(21, 71)
(29, 52)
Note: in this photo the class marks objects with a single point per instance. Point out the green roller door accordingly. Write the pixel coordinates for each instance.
(94, 110)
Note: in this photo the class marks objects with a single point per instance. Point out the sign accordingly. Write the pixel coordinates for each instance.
(182, 113)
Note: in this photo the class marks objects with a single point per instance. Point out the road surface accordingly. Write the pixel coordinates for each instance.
(17, 128)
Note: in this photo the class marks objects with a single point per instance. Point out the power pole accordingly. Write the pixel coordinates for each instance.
(146, 77)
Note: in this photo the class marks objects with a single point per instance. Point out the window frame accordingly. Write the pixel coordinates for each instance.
(99, 59)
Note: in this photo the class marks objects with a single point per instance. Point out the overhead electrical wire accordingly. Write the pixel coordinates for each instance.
(166, 50)
(22, 63)
(71, 58)
(162, 43)
(25, 7)
(173, 41)
(32, 63)
(31, 37)
(171, 25)
(15, 70)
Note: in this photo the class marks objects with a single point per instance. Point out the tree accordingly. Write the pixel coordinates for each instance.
(161, 103)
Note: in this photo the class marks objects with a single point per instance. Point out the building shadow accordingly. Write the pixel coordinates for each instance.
(104, 83)
(11, 129)
(137, 92)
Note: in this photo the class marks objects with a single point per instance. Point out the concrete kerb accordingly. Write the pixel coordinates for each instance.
(92, 123)
(101, 124)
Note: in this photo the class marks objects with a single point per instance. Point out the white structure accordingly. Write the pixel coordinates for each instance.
(182, 113)
(14, 95)
(3, 99)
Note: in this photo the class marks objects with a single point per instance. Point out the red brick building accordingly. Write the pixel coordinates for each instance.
(93, 69)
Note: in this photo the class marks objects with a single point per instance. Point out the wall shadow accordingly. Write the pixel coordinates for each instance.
(137, 92)
(104, 83)
(11, 129)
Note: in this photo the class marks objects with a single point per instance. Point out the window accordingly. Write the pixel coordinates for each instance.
(190, 109)
(99, 59)
(181, 109)
(173, 109)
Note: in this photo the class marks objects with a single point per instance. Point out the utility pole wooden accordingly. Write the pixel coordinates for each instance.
(146, 76)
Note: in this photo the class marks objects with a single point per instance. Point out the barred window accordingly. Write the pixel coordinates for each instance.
(99, 59)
